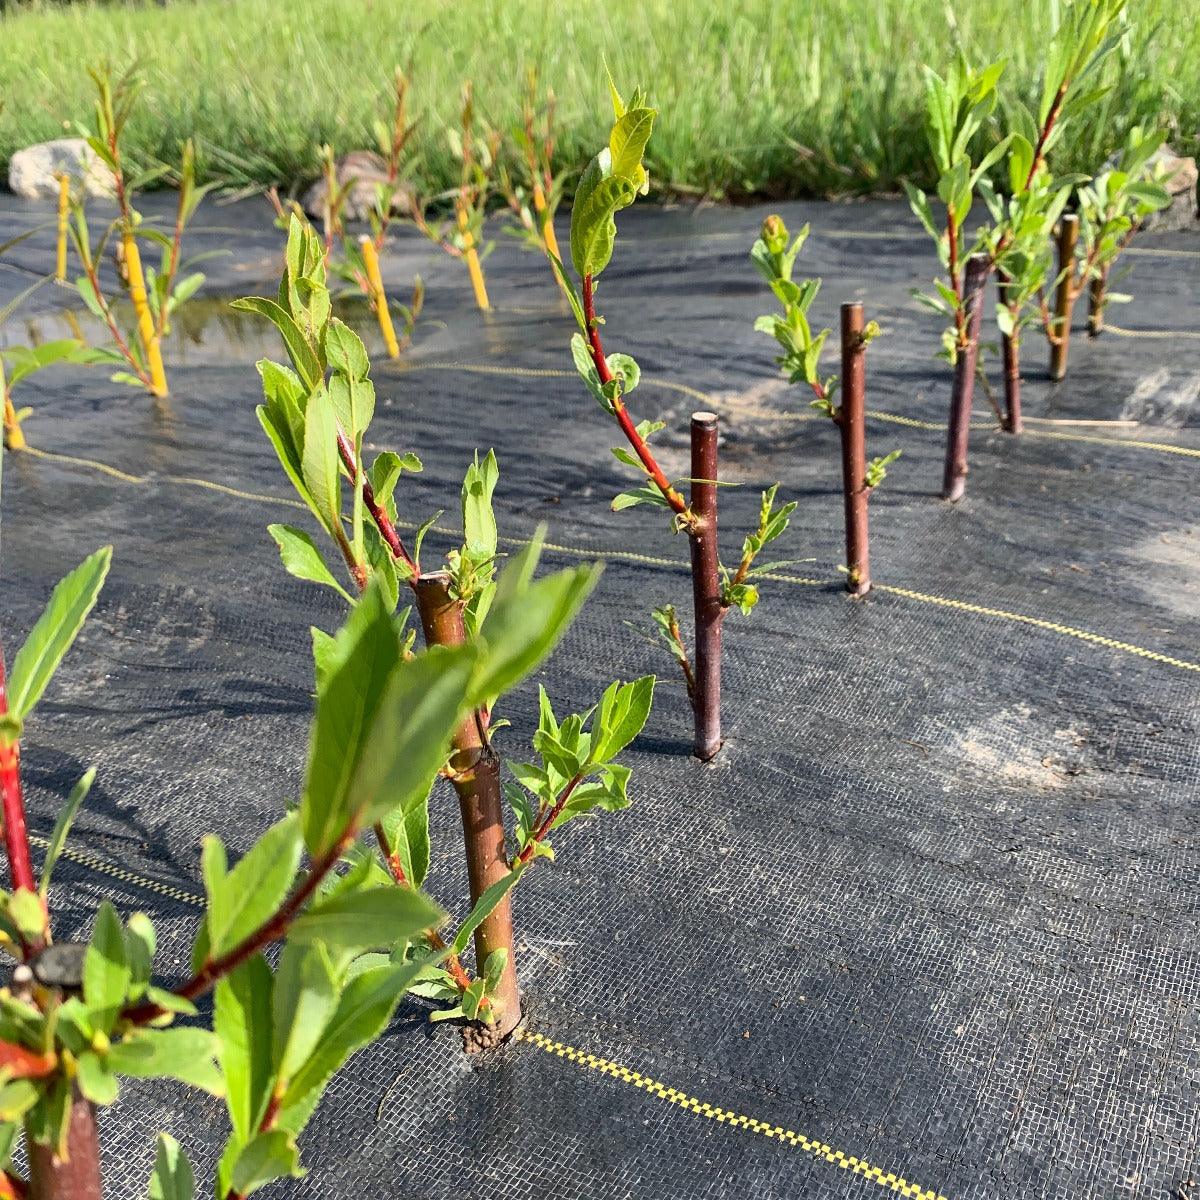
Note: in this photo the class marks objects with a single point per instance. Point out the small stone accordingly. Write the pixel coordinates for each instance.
(1179, 176)
(367, 169)
(33, 172)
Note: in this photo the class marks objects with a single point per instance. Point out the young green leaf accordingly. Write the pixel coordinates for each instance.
(54, 632)
(62, 827)
(106, 973)
(242, 1024)
(266, 1158)
(181, 1052)
(302, 558)
(172, 1178)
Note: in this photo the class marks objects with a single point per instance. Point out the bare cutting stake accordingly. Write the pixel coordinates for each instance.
(1011, 347)
(1064, 296)
(1096, 302)
(954, 478)
(706, 586)
(476, 779)
(851, 420)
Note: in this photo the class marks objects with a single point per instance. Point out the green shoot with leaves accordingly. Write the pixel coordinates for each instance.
(316, 414)
(612, 181)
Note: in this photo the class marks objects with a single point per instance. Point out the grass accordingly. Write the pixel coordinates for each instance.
(773, 98)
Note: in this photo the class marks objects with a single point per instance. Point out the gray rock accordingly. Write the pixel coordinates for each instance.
(367, 169)
(1179, 177)
(33, 172)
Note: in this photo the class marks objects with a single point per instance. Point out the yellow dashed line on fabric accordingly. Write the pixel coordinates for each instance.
(1038, 623)
(819, 1150)
(654, 561)
(84, 859)
(1163, 334)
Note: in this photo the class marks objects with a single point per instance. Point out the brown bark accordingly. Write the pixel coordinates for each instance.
(852, 424)
(77, 1176)
(954, 478)
(706, 587)
(476, 778)
(1064, 296)
(1096, 296)
(1011, 347)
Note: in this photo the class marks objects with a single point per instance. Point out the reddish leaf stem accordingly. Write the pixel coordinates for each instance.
(596, 347)
(16, 837)
(547, 822)
(387, 530)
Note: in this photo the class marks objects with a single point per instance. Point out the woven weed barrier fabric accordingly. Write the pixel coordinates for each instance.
(928, 926)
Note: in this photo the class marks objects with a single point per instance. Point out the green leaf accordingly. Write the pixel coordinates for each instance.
(407, 834)
(353, 403)
(384, 472)
(636, 496)
(140, 944)
(367, 649)
(182, 1052)
(54, 632)
(172, 1178)
(97, 1083)
(302, 559)
(484, 907)
(62, 827)
(106, 973)
(479, 520)
(242, 1024)
(346, 352)
(266, 1158)
(620, 717)
(366, 919)
(627, 144)
(599, 196)
(304, 999)
(425, 700)
(526, 623)
(303, 356)
(238, 903)
(587, 370)
(320, 461)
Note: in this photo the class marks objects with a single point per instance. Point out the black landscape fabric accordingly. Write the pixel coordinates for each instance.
(927, 927)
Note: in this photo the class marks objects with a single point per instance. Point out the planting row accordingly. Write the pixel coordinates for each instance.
(311, 938)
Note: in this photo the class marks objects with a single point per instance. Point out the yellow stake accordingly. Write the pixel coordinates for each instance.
(141, 306)
(481, 296)
(14, 437)
(548, 235)
(375, 282)
(64, 212)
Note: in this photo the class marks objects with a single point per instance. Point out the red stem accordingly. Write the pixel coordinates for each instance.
(954, 478)
(548, 821)
(1039, 152)
(672, 497)
(707, 605)
(379, 515)
(852, 427)
(16, 837)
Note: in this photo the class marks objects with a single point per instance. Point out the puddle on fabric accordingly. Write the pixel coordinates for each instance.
(206, 329)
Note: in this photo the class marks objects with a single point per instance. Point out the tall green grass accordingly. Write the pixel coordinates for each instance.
(763, 97)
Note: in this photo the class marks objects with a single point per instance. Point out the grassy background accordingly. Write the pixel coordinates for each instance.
(765, 97)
